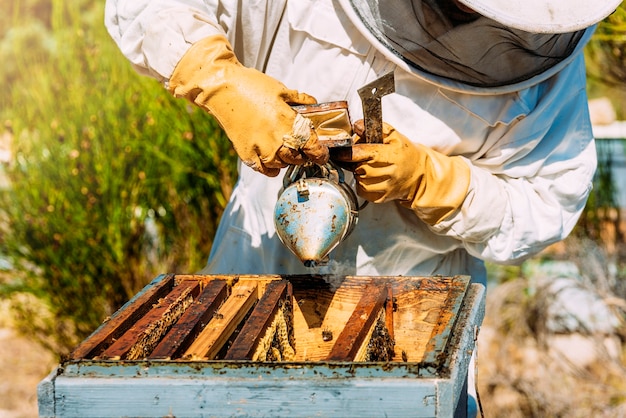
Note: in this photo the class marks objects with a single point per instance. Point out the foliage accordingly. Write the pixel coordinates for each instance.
(606, 61)
(602, 220)
(528, 370)
(112, 181)
(605, 53)
(601, 206)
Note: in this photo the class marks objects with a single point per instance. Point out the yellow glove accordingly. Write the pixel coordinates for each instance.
(253, 108)
(432, 184)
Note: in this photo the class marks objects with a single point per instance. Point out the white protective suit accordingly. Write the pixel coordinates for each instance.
(529, 144)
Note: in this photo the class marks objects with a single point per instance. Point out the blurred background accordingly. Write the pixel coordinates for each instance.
(106, 181)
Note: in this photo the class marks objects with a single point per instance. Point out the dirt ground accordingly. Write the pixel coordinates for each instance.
(23, 363)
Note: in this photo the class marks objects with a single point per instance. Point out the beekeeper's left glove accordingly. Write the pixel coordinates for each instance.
(432, 184)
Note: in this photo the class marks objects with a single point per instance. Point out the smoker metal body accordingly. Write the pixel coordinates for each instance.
(315, 213)
(431, 382)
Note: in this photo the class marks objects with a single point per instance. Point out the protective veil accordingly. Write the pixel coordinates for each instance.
(438, 38)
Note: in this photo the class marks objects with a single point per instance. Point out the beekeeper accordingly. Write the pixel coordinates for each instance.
(488, 152)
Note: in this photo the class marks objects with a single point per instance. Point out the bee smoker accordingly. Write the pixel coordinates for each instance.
(316, 209)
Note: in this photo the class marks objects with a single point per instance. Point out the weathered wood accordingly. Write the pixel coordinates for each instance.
(421, 322)
(361, 323)
(141, 339)
(195, 318)
(277, 294)
(320, 312)
(225, 321)
(455, 291)
(419, 388)
(417, 312)
(45, 395)
(123, 319)
(189, 396)
(390, 307)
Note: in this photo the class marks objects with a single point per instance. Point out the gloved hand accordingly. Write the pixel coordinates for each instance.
(253, 108)
(432, 184)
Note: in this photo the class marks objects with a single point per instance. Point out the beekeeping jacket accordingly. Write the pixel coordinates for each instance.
(511, 103)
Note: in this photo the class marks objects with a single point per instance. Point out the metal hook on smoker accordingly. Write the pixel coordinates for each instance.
(296, 172)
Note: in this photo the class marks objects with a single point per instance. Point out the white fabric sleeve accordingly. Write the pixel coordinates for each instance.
(520, 203)
(155, 34)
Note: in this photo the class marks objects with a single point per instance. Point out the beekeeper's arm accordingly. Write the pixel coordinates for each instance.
(513, 199)
(529, 190)
(181, 44)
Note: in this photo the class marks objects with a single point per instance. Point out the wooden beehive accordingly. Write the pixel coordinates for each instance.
(189, 344)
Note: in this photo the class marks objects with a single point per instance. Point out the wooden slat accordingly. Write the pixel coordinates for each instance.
(123, 319)
(414, 320)
(390, 307)
(139, 341)
(225, 321)
(448, 314)
(254, 329)
(360, 324)
(302, 396)
(193, 321)
(320, 312)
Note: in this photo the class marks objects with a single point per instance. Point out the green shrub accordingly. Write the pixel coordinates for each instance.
(112, 181)
(606, 69)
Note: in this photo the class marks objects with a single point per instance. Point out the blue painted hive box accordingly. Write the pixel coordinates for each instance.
(276, 346)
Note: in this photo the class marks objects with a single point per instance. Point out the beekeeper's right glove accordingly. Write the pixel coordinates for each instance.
(430, 183)
(253, 108)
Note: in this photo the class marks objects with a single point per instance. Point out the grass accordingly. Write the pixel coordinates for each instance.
(112, 181)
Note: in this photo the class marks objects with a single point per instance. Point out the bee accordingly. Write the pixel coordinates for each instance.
(327, 335)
